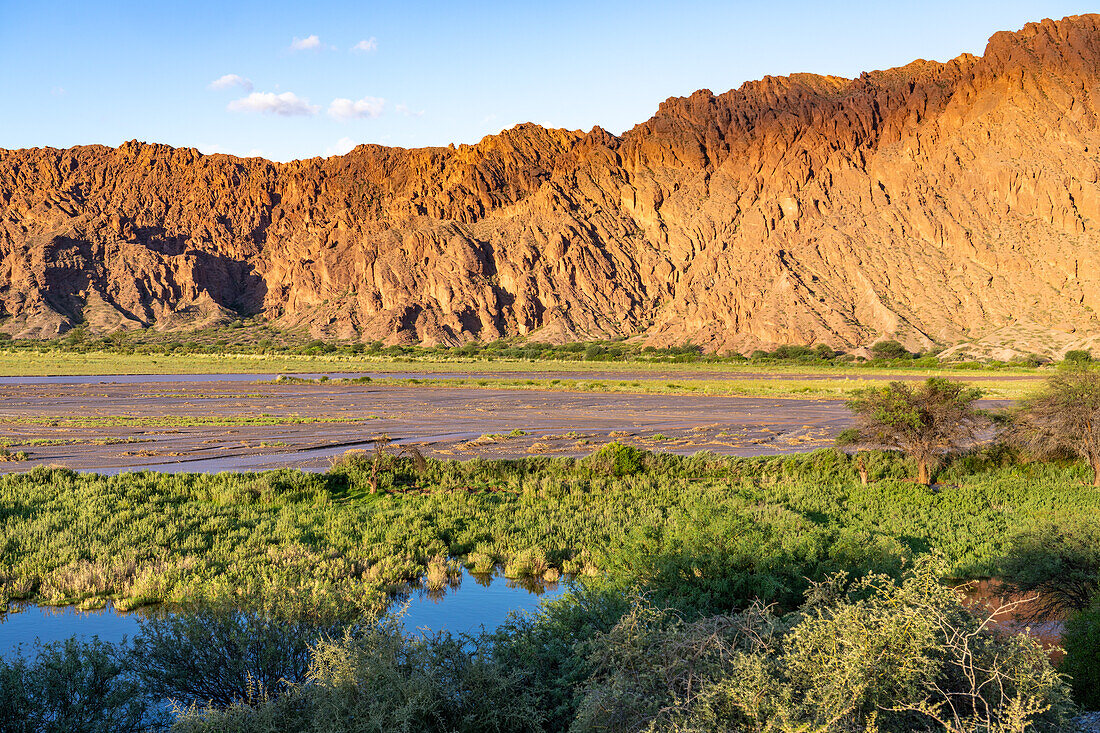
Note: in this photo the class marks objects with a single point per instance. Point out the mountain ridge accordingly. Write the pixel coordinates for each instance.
(936, 203)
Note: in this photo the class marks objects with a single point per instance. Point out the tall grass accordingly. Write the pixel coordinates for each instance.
(706, 527)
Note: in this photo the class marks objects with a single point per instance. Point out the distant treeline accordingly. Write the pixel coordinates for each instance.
(242, 337)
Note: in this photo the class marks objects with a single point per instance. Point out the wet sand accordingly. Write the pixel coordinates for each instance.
(426, 371)
(113, 424)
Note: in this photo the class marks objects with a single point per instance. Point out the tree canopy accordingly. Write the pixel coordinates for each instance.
(924, 421)
(1063, 419)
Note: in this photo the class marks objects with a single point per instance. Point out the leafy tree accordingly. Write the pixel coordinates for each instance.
(1077, 356)
(890, 350)
(1063, 419)
(924, 422)
(791, 351)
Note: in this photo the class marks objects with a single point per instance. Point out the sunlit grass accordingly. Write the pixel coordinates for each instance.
(293, 537)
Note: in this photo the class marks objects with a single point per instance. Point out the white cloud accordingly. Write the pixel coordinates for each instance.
(214, 148)
(403, 109)
(367, 107)
(287, 104)
(231, 80)
(309, 43)
(58, 91)
(343, 146)
(366, 46)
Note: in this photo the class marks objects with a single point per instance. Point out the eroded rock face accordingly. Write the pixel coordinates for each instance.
(929, 203)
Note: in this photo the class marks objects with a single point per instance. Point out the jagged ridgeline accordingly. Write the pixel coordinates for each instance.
(932, 203)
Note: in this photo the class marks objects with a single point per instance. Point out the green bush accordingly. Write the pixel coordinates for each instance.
(382, 681)
(1081, 640)
(890, 350)
(222, 656)
(868, 655)
(594, 352)
(617, 459)
(74, 687)
(1059, 563)
(727, 560)
(791, 351)
(1077, 356)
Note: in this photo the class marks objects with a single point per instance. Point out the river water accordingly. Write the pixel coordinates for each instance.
(477, 602)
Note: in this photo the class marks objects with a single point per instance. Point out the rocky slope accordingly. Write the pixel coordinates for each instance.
(933, 203)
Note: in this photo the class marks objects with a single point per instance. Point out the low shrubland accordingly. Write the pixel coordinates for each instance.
(875, 653)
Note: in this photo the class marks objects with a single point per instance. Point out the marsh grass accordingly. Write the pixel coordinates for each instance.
(707, 526)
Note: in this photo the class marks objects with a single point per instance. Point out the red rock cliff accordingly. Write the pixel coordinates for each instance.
(931, 203)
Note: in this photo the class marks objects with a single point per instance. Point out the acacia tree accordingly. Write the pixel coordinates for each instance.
(1063, 419)
(923, 422)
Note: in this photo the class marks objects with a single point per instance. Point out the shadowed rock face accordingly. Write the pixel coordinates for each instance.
(929, 203)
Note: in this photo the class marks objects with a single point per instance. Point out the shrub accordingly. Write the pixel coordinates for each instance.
(1063, 419)
(382, 681)
(76, 687)
(617, 459)
(868, 655)
(221, 656)
(594, 352)
(1077, 356)
(727, 560)
(1059, 564)
(1081, 640)
(791, 351)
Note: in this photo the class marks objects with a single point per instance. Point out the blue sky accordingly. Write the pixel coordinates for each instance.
(315, 78)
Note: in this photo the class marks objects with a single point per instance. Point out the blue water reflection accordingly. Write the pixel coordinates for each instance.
(475, 602)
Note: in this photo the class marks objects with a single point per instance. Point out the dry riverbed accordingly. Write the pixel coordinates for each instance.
(216, 423)
(220, 422)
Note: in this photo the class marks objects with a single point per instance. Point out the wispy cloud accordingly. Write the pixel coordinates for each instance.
(365, 108)
(214, 148)
(309, 43)
(403, 109)
(58, 91)
(287, 104)
(230, 81)
(366, 46)
(343, 146)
